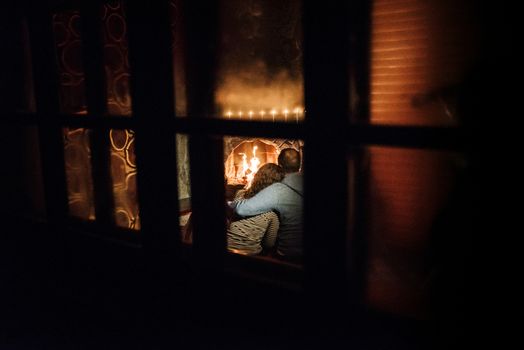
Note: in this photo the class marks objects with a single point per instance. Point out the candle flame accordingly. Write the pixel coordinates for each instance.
(298, 113)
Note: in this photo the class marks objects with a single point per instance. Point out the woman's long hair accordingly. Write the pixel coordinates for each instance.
(268, 174)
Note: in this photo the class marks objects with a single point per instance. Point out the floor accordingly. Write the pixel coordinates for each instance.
(56, 296)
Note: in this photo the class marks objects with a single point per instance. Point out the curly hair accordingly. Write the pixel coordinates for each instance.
(268, 174)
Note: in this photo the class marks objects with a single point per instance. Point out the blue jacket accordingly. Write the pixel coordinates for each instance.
(285, 198)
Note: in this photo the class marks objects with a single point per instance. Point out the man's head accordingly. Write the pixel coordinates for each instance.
(289, 160)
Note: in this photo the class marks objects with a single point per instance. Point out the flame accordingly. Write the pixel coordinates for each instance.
(255, 162)
(242, 172)
(248, 170)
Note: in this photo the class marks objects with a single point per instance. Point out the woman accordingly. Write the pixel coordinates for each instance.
(251, 235)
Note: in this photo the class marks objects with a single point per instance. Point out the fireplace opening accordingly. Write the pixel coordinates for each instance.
(244, 156)
(244, 161)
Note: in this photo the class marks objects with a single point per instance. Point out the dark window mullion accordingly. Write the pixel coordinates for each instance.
(420, 137)
(48, 106)
(196, 125)
(95, 81)
(326, 56)
(360, 75)
(152, 92)
(206, 151)
(360, 59)
(107, 122)
(9, 33)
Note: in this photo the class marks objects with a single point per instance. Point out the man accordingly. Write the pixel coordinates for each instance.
(285, 198)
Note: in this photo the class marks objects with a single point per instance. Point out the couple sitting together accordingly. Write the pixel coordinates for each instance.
(271, 211)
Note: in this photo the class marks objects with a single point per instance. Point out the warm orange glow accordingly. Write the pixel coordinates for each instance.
(273, 112)
(245, 160)
(276, 114)
(240, 86)
(242, 172)
(248, 170)
(414, 61)
(255, 162)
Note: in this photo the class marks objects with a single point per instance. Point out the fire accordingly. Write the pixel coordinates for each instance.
(248, 170)
(245, 159)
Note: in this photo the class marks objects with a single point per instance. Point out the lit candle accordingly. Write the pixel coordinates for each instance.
(285, 114)
(297, 111)
(240, 114)
(262, 113)
(228, 114)
(250, 114)
(273, 112)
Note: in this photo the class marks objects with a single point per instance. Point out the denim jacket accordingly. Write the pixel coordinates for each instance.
(286, 200)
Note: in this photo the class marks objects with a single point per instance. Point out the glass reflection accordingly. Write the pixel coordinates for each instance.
(114, 31)
(178, 49)
(260, 61)
(68, 46)
(420, 53)
(409, 192)
(123, 174)
(77, 157)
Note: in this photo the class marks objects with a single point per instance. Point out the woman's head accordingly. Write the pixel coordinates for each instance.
(268, 174)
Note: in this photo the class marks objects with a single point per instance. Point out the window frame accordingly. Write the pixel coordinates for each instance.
(153, 119)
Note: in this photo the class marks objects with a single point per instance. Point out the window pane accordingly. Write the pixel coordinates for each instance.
(420, 54)
(254, 235)
(23, 84)
(184, 186)
(68, 46)
(269, 223)
(77, 157)
(21, 188)
(123, 174)
(114, 31)
(411, 198)
(178, 47)
(260, 61)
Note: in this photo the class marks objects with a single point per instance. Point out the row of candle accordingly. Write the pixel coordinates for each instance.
(296, 112)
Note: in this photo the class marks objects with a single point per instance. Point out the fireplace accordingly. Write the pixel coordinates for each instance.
(244, 156)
